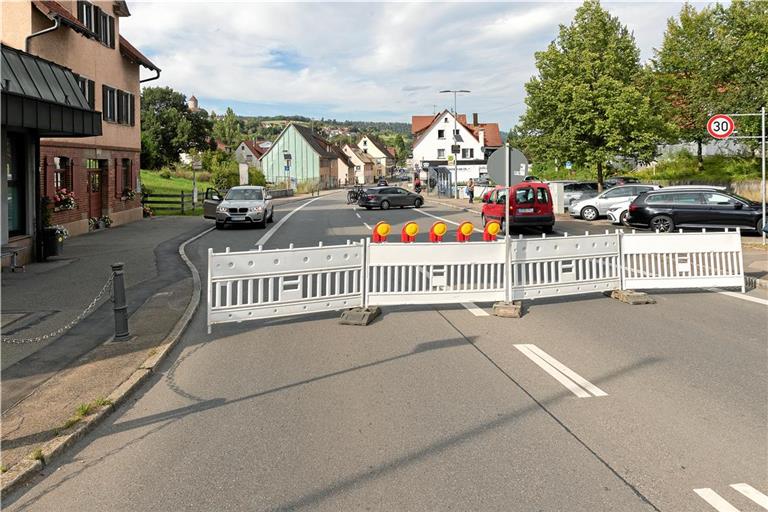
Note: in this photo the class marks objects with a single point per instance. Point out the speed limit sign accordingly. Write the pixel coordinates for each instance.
(720, 126)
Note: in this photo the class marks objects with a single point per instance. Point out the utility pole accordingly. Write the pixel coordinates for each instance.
(455, 140)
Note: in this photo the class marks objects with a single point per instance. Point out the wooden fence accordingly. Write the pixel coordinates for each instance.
(181, 202)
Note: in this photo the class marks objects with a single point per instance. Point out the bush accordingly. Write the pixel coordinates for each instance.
(165, 173)
(305, 187)
(225, 175)
(256, 177)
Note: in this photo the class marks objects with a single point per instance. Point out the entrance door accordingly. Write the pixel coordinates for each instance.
(94, 193)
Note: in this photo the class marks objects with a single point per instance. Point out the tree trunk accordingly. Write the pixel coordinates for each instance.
(599, 177)
(700, 158)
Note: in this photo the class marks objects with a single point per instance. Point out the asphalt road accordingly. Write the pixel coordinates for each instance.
(438, 408)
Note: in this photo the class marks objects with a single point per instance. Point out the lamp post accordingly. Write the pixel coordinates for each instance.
(455, 141)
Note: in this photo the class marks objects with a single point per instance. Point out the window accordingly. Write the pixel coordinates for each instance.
(91, 163)
(468, 153)
(714, 199)
(542, 197)
(659, 199)
(440, 153)
(524, 195)
(88, 87)
(456, 132)
(127, 174)
(445, 120)
(97, 21)
(441, 134)
(13, 165)
(118, 106)
(62, 175)
(619, 192)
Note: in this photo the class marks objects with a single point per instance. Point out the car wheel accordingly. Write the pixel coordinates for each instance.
(662, 224)
(271, 217)
(589, 213)
(548, 229)
(385, 205)
(417, 203)
(759, 226)
(623, 218)
(219, 225)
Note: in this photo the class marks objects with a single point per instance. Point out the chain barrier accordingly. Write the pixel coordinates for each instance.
(61, 330)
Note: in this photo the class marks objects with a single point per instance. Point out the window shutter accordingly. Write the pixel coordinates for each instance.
(97, 23)
(81, 11)
(120, 106)
(104, 101)
(111, 32)
(132, 112)
(92, 94)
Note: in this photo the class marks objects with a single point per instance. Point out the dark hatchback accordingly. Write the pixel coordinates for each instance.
(389, 197)
(666, 210)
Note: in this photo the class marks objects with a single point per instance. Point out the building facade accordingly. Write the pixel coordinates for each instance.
(101, 172)
(298, 155)
(434, 137)
(250, 152)
(362, 164)
(380, 156)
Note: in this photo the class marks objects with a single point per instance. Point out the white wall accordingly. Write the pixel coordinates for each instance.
(427, 147)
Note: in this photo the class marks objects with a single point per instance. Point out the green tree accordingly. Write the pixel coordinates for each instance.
(227, 129)
(168, 127)
(586, 104)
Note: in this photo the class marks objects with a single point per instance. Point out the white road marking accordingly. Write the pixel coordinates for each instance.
(472, 307)
(358, 215)
(741, 296)
(578, 379)
(442, 219)
(753, 494)
(562, 379)
(264, 239)
(369, 228)
(715, 500)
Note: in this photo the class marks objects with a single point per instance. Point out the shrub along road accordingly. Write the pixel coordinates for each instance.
(432, 408)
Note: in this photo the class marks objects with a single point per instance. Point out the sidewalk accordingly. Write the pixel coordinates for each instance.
(43, 383)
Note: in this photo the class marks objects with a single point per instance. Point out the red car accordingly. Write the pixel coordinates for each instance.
(530, 205)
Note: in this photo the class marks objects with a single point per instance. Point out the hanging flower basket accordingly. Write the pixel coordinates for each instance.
(64, 200)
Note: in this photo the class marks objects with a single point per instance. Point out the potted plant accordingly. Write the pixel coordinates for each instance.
(105, 221)
(128, 195)
(51, 237)
(64, 200)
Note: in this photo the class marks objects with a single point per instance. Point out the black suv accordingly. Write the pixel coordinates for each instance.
(665, 210)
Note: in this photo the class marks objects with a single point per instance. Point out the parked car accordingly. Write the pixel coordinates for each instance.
(530, 205)
(615, 181)
(619, 212)
(387, 197)
(575, 192)
(594, 207)
(665, 210)
(241, 205)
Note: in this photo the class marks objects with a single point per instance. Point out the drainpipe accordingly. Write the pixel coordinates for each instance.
(56, 25)
(150, 79)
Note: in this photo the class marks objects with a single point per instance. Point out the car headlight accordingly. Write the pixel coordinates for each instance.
(221, 209)
(255, 208)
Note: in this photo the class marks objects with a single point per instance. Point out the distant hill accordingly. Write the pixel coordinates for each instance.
(352, 126)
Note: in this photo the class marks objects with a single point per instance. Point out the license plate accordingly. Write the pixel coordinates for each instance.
(525, 210)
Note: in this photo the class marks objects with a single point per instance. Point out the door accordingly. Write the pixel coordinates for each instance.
(522, 202)
(94, 193)
(211, 201)
(723, 210)
(494, 208)
(689, 209)
(612, 197)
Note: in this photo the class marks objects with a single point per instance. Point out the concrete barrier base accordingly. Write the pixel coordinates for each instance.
(512, 309)
(631, 297)
(359, 316)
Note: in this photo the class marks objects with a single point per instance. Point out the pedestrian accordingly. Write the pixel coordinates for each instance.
(471, 190)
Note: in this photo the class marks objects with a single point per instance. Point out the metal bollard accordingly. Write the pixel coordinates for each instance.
(120, 305)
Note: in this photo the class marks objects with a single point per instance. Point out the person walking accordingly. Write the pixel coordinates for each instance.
(471, 190)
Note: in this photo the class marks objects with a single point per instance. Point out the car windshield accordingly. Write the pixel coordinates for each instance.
(244, 194)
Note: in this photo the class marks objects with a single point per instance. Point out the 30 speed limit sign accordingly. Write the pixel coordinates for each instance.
(720, 126)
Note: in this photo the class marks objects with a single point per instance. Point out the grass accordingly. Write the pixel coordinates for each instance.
(156, 184)
(37, 455)
(83, 410)
(74, 420)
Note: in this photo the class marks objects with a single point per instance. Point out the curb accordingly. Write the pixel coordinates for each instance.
(24, 470)
(755, 282)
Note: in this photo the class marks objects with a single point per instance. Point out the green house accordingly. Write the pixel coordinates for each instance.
(299, 156)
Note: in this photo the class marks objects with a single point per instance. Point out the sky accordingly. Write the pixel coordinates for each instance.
(362, 61)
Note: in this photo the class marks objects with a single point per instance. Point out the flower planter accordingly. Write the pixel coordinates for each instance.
(52, 241)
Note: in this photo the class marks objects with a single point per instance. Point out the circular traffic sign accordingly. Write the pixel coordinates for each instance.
(720, 126)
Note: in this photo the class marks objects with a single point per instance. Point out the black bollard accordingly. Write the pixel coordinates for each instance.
(120, 305)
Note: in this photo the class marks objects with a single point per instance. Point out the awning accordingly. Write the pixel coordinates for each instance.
(40, 95)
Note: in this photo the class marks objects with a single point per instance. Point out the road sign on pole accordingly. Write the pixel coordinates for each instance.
(515, 161)
(720, 126)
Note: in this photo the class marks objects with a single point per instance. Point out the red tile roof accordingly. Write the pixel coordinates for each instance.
(419, 123)
(128, 50)
(492, 135)
(255, 148)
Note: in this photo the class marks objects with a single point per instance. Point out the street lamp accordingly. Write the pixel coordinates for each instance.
(455, 141)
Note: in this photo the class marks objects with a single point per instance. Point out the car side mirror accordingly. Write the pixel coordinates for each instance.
(738, 206)
(216, 197)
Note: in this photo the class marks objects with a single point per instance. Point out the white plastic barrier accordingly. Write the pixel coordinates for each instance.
(682, 260)
(266, 284)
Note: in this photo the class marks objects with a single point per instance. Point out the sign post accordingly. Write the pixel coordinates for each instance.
(721, 126)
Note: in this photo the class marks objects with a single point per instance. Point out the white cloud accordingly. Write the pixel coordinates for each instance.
(362, 60)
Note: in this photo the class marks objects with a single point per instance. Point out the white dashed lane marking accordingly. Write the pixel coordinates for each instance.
(474, 309)
(574, 382)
